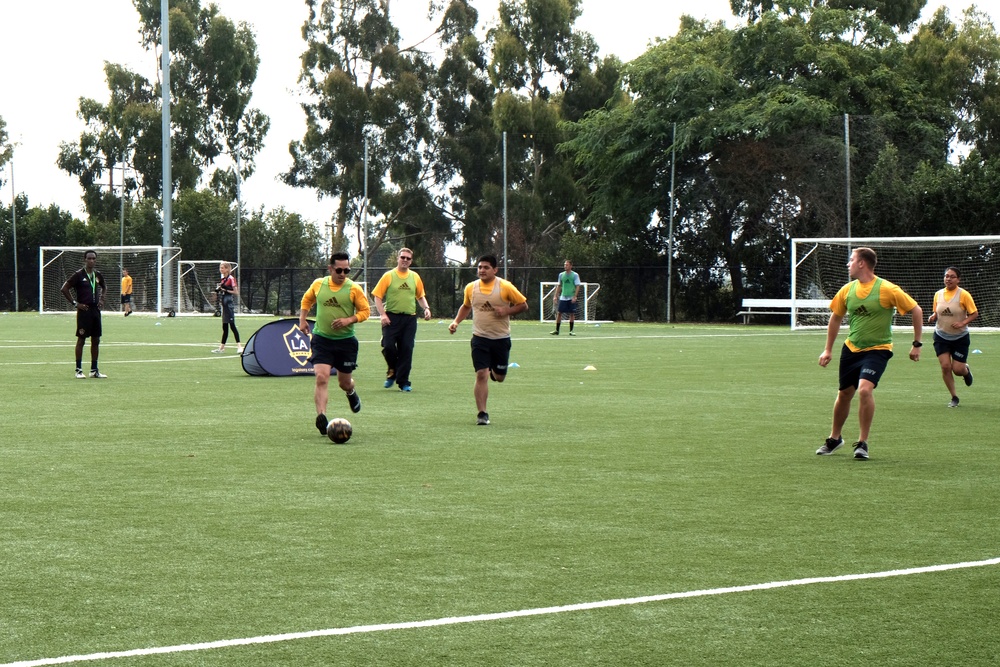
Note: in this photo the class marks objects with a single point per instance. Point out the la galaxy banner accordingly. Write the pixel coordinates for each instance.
(278, 348)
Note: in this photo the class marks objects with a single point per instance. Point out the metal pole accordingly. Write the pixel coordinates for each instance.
(364, 221)
(670, 235)
(121, 233)
(165, 129)
(13, 214)
(847, 174)
(239, 219)
(505, 206)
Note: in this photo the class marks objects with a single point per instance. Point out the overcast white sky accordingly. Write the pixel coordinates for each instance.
(52, 53)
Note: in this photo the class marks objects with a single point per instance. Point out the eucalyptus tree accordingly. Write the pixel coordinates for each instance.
(213, 66)
(759, 113)
(537, 57)
(364, 87)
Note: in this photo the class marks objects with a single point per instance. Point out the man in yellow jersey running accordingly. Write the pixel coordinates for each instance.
(491, 301)
(953, 310)
(397, 295)
(869, 302)
(340, 304)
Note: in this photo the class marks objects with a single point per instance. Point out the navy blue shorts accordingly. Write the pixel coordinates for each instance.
(856, 366)
(126, 298)
(567, 307)
(958, 349)
(340, 353)
(492, 353)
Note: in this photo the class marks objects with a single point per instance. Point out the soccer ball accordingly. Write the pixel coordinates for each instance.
(339, 430)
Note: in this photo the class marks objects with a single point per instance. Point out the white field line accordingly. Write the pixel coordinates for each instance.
(479, 618)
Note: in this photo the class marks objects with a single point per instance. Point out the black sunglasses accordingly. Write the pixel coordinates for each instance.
(342, 271)
(408, 259)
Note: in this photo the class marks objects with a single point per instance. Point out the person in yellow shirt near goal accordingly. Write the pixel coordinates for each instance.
(868, 302)
(340, 304)
(491, 301)
(126, 292)
(954, 309)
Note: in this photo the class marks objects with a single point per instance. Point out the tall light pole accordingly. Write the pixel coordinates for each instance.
(165, 129)
(13, 214)
(239, 219)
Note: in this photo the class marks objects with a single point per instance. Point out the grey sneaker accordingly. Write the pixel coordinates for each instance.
(861, 450)
(968, 376)
(97, 374)
(953, 403)
(830, 446)
(483, 419)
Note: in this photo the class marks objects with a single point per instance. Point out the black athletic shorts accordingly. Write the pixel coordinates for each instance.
(341, 353)
(867, 365)
(958, 349)
(492, 353)
(88, 323)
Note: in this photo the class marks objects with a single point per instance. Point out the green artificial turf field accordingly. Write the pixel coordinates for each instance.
(181, 502)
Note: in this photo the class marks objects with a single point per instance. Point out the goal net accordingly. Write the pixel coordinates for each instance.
(151, 268)
(586, 302)
(916, 264)
(196, 288)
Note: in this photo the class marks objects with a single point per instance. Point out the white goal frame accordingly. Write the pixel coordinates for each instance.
(151, 268)
(916, 264)
(586, 303)
(196, 282)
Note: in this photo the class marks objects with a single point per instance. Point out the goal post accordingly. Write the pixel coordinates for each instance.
(916, 264)
(196, 283)
(148, 266)
(586, 302)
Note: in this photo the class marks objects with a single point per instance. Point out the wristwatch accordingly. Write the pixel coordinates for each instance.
(917, 343)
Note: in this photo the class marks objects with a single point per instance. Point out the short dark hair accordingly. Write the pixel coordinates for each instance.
(87, 252)
(958, 274)
(489, 259)
(340, 254)
(868, 256)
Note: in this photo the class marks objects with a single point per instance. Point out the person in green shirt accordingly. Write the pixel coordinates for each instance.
(340, 304)
(869, 303)
(564, 299)
(397, 295)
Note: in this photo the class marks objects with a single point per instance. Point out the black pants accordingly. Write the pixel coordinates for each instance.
(398, 339)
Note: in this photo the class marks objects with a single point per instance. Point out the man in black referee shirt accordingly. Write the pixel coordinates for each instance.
(88, 283)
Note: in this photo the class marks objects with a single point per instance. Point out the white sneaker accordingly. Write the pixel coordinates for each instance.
(218, 350)
(80, 375)
(97, 374)
(239, 349)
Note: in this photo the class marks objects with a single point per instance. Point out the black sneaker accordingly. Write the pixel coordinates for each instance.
(830, 446)
(321, 423)
(483, 419)
(968, 376)
(861, 450)
(953, 403)
(355, 401)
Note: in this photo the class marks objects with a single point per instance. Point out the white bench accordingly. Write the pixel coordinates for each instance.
(753, 307)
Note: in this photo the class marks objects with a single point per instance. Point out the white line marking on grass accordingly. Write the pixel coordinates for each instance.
(541, 611)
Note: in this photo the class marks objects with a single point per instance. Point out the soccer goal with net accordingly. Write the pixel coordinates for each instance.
(151, 268)
(916, 264)
(586, 302)
(196, 285)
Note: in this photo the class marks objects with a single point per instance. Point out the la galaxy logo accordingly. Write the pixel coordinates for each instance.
(298, 345)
